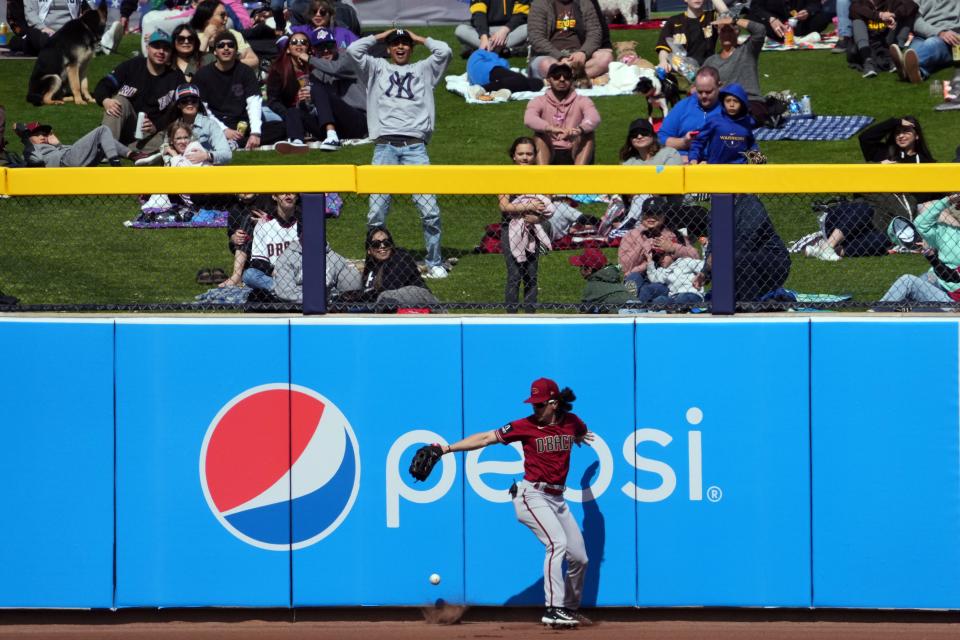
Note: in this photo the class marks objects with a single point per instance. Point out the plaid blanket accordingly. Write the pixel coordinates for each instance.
(816, 128)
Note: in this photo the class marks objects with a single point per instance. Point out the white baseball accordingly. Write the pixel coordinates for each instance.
(434, 578)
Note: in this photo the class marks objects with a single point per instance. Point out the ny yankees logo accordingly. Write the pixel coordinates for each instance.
(404, 85)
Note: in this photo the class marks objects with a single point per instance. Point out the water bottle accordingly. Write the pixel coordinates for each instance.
(805, 107)
(788, 35)
(794, 108)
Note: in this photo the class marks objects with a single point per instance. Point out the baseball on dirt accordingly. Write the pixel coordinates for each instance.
(434, 578)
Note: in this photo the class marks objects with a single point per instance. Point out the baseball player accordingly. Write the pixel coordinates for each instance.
(547, 437)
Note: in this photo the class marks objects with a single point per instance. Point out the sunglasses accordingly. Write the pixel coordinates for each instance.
(226, 44)
(561, 76)
(299, 43)
(189, 101)
(381, 244)
(642, 134)
(184, 39)
(322, 12)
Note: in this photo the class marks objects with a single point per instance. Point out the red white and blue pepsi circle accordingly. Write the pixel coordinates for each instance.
(280, 467)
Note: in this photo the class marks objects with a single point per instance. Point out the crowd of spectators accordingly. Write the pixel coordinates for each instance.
(195, 97)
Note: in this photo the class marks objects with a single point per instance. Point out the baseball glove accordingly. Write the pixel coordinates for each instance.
(424, 461)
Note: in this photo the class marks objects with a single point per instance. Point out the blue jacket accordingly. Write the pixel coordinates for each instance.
(686, 116)
(723, 138)
(481, 63)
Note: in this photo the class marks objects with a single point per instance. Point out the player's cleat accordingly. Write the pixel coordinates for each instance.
(579, 617)
(559, 617)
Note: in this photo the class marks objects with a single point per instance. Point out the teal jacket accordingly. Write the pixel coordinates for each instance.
(942, 237)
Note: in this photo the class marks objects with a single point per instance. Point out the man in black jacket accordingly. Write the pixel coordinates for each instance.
(141, 85)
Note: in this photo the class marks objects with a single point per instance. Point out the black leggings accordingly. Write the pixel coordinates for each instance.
(501, 78)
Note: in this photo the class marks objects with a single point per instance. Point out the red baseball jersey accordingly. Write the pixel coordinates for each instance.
(546, 448)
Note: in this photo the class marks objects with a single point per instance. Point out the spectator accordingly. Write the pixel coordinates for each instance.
(522, 236)
(760, 259)
(245, 211)
(652, 237)
(188, 109)
(850, 232)
(563, 121)
(271, 237)
(45, 18)
(878, 24)
(141, 85)
(390, 275)
(509, 22)
(895, 140)
(231, 93)
(728, 134)
(671, 281)
(322, 19)
(342, 276)
(210, 23)
(489, 74)
(603, 288)
(170, 16)
(739, 63)
(289, 96)
(844, 27)
(693, 29)
(401, 117)
(942, 282)
(936, 34)
(344, 14)
(333, 101)
(774, 14)
(42, 148)
(685, 120)
(186, 51)
(568, 32)
(642, 147)
(182, 149)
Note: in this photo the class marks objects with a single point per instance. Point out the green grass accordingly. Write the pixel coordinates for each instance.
(75, 250)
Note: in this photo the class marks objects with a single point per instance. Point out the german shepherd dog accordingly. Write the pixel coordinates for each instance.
(63, 61)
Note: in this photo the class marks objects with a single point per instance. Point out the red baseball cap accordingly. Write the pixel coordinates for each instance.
(591, 257)
(542, 389)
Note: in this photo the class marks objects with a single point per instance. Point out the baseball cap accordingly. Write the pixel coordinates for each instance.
(186, 91)
(641, 125)
(257, 7)
(591, 257)
(160, 37)
(559, 68)
(399, 35)
(322, 38)
(541, 390)
(25, 130)
(902, 233)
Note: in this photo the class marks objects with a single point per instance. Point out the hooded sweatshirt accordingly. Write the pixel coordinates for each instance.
(724, 138)
(573, 111)
(935, 16)
(604, 287)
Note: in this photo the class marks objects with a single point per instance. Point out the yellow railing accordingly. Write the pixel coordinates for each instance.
(486, 179)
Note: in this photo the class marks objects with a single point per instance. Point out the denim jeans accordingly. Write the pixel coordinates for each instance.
(844, 24)
(912, 288)
(651, 290)
(256, 279)
(934, 54)
(426, 203)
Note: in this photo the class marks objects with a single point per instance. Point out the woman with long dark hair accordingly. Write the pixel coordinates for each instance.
(390, 274)
(209, 20)
(895, 140)
(547, 437)
(186, 50)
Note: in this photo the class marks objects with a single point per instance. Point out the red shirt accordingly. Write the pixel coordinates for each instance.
(546, 448)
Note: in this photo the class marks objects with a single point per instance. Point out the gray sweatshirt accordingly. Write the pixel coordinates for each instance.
(742, 67)
(288, 274)
(936, 16)
(342, 75)
(400, 97)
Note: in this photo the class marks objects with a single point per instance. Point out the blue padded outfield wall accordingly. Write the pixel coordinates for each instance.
(789, 462)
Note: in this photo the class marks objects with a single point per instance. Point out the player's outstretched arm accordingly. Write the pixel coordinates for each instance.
(588, 437)
(476, 441)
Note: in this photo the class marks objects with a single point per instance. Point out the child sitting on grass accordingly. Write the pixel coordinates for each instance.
(727, 135)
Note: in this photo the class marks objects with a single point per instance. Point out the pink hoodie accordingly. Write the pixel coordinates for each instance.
(573, 111)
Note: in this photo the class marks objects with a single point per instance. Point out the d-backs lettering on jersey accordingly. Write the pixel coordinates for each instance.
(270, 238)
(546, 448)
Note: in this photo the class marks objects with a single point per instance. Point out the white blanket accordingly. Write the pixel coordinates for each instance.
(623, 79)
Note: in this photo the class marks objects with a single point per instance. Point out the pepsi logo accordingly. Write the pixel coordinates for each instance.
(280, 467)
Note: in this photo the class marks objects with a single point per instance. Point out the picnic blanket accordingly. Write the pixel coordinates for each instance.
(623, 79)
(825, 42)
(204, 218)
(816, 128)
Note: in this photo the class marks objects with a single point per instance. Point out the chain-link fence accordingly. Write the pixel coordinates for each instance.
(481, 253)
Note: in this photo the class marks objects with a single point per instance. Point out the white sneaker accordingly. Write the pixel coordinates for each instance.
(146, 161)
(475, 91)
(291, 146)
(501, 94)
(436, 272)
(330, 144)
(821, 251)
(111, 38)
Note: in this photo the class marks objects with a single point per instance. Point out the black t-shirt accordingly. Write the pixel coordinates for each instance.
(698, 35)
(145, 91)
(226, 92)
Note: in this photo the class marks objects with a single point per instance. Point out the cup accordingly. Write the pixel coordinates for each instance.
(138, 130)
